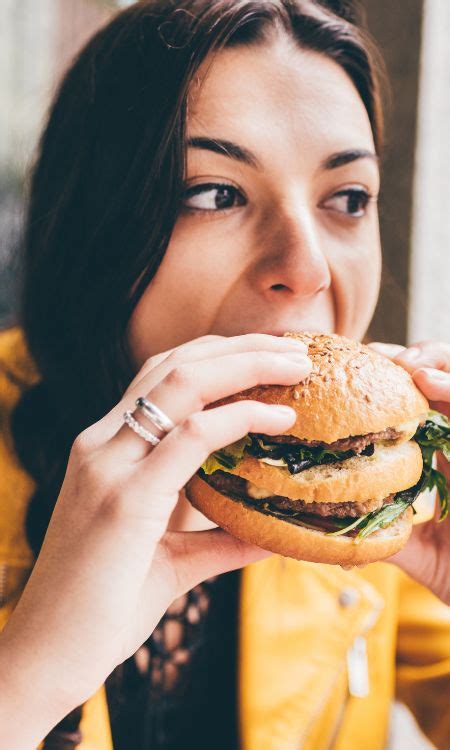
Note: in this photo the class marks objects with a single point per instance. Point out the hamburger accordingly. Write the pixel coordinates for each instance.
(338, 487)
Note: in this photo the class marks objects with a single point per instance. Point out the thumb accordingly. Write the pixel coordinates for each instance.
(388, 350)
(198, 555)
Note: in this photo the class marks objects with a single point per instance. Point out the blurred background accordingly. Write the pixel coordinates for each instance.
(38, 39)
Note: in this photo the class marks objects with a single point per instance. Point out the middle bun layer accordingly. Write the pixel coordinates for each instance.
(390, 469)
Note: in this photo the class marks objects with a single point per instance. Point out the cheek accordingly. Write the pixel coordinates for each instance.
(356, 274)
(181, 301)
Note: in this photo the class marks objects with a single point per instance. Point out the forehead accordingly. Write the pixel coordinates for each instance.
(281, 93)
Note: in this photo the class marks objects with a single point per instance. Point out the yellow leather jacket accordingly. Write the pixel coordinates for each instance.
(322, 651)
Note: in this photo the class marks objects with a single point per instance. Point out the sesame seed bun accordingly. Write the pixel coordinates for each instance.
(352, 391)
(283, 538)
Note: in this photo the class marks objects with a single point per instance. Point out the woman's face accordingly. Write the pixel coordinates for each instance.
(280, 233)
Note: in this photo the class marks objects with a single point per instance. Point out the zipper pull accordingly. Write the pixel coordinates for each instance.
(358, 668)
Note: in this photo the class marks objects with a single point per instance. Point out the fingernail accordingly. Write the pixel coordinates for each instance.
(431, 372)
(390, 350)
(283, 410)
(297, 344)
(296, 357)
(411, 354)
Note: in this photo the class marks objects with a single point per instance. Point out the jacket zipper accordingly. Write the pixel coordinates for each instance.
(357, 672)
(357, 678)
(369, 624)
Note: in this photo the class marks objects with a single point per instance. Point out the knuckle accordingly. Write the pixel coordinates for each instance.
(430, 344)
(425, 343)
(174, 355)
(192, 429)
(260, 337)
(114, 505)
(443, 346)
(251, 408)
(82, 444)
(256, 339)
(149, 363)
(208, 337)
(178, 356)
(91, 483)
(93, 473)
(262, 360)
(253, 412)
(180, 376)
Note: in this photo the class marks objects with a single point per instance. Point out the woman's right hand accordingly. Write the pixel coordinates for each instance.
(108, 569)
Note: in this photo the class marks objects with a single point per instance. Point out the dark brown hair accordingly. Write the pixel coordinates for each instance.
(105, 193)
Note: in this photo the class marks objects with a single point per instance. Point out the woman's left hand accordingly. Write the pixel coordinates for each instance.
(426, 557)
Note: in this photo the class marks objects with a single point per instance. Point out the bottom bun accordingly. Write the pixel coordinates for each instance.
(289, 540)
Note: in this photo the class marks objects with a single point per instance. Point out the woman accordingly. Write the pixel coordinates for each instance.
(207, 180)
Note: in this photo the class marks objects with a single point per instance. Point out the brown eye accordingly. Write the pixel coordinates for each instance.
(212, 197)
(351, 201)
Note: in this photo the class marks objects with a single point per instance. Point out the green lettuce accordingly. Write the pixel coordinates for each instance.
(316, 455)
(384, 516)
(226, 458)
(432, 436)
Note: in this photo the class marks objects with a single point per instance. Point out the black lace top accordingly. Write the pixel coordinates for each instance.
(179, 690)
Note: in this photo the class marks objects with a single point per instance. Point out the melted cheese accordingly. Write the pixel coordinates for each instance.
(409, 428)
(257, 493)
(273, 461)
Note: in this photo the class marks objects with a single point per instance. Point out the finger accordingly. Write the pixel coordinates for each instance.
(215, 346)
(190, 387)
(181, 561)
(245, 342)
(193, 351)
(407, 557)
(434, 384)
(157, 359)
(425, 354)
(198, 555)
(387, 350)
(178, 456)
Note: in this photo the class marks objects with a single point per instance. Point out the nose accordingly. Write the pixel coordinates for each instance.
(292, 260)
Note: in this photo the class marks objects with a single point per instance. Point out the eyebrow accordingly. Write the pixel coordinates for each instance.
(227, 148)
(243, 155)
(346, 157)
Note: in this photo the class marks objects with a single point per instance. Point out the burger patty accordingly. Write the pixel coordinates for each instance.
(234, 486)
(338, 510)
(356, 443)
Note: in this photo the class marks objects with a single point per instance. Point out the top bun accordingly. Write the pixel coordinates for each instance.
(352, 390)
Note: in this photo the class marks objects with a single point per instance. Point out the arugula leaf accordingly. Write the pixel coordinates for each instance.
(387, 514)
(304, 453)
(350, 526)
(226, 458)
(432, 436)
(437, 479)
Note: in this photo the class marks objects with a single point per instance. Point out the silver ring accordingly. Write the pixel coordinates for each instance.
(154, 414)
(139, 429)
